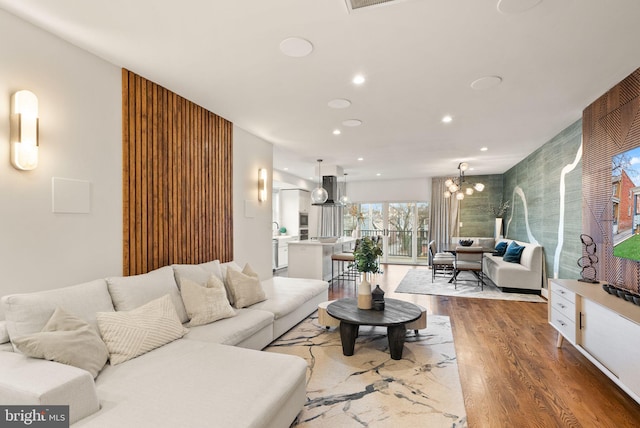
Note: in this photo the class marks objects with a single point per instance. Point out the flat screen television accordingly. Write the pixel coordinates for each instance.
(625, 198)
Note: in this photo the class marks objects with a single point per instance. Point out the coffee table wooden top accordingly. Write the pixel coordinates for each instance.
(395, 312)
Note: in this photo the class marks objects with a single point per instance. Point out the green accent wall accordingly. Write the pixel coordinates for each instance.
(534, 189)
(475, 213)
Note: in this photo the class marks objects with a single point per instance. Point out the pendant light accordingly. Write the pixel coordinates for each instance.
(319, 195)
(344, 199)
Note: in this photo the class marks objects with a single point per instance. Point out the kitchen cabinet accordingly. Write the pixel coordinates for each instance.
(282, 259)
(294, 204)
(602, 327)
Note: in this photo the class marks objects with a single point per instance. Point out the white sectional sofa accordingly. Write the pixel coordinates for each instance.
(205, 378)
(525, 276)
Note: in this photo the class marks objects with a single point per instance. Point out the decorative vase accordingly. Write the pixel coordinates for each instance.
(377, 297)
(498, 232)
(364, 293)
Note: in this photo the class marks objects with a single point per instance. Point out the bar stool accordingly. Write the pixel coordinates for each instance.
(348, 272)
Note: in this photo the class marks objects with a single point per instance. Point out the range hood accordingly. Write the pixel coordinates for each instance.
(330, 184)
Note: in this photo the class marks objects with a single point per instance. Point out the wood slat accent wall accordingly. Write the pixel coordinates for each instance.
(177, 179)
(610, 125)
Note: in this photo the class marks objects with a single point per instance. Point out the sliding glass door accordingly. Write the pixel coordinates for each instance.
(404, 227)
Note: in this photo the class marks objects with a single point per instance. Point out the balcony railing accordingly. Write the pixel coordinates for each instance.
(399, 242)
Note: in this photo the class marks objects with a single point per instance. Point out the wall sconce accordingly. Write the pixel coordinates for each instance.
(24, 130)
(262, 184)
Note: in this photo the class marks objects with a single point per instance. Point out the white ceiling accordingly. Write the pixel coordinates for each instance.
(419, 58)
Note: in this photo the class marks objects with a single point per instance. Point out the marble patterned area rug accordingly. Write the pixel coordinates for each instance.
(369, 389)
(418, 281)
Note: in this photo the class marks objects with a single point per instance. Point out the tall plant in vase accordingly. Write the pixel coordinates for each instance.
(366, 256)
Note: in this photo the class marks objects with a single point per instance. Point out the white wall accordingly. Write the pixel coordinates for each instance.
(407, 190)
(251, 219)
(80, 138)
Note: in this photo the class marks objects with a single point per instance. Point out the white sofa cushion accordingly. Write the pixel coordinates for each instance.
(128, 334)
(68, 340)
(202, 384)
(232, 331)
(205, 304)
(130, 292)
(284, 295)
(31, 381)
(28, 313)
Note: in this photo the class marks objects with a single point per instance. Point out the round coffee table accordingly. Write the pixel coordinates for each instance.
(395, 316)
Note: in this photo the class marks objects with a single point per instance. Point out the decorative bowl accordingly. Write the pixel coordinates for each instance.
(465, 242)
(621, 293)
(628, 297)
(636, 300)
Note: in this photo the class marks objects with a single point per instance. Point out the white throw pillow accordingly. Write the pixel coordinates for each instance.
(129, 334)
(130, 292)
(205, 304)
(224, 268)
(245, 287)
(66, 339)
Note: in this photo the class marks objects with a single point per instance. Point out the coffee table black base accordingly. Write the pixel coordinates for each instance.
(395, 335)
(395, 317)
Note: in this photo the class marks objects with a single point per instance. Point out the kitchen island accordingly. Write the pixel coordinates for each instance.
(312, 259)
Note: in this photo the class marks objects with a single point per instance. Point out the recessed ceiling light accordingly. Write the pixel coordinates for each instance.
(516, 6)
(286, 169)
(378, 174)
(447, 119)
(484, 149)
(360, 159)
(296, 47)
(352, 122)
(486, 82)
(336, 132)
(339, 103)
(358, 79)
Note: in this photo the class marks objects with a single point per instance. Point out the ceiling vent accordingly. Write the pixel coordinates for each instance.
(359, 4)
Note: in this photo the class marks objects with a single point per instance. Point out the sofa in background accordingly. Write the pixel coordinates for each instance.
(211, 374)
(523, 277)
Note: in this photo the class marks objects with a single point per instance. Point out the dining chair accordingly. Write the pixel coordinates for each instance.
(440, 262)
(468, 259)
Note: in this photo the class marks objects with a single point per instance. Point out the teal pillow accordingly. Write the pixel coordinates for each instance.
(513, 253)
(500, 249)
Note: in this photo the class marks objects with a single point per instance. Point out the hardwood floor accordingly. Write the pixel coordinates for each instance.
(512, 374)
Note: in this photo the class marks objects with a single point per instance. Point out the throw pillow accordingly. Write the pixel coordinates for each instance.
(130, 292)
(513, 253)
(205, 304)
(500, 249)
(245, 287)
(224, 268)
(66, 339)
(129, 334)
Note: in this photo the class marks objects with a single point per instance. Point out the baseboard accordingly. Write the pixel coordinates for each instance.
(520, 290)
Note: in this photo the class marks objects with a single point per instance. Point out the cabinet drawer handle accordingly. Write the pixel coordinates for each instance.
(561, 323)
(561, 291)
(561, 305)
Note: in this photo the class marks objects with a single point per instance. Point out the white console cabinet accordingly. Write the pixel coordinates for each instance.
(602, 327)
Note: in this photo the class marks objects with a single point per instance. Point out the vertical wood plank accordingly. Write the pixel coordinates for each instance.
(177, 194)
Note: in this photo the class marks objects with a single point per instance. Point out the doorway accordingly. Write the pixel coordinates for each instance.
(404, 227)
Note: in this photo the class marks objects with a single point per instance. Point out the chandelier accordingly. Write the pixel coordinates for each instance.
(455, 185)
